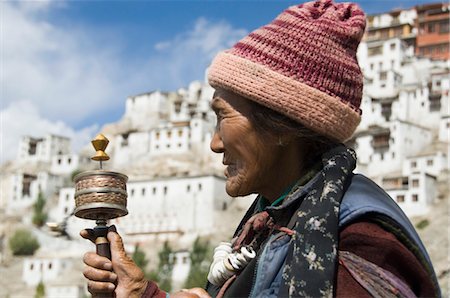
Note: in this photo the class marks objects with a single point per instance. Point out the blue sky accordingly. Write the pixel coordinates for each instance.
(67, 67)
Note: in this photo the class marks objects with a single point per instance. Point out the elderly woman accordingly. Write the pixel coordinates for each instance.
(287, 96)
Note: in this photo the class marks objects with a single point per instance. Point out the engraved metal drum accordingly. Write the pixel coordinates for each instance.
(100, 194)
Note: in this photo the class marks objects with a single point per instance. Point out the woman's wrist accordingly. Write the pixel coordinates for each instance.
(151, 290)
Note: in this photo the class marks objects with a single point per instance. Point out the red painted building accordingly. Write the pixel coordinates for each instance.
(433, 37)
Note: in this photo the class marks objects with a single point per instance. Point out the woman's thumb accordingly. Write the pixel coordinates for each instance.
(116, 244)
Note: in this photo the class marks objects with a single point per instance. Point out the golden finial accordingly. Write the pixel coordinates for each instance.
(100, 143)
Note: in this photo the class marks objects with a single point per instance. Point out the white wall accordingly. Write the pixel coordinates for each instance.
(67, 163)
(415, 198)
(406, 140)
(36, 270)
(432, 164)
(46, 148)
(69, 291)
(181, 267)
(173, 205)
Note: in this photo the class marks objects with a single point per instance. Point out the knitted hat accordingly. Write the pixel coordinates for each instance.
(303, 65)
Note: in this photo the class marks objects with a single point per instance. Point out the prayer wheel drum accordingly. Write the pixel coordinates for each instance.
(100, 195)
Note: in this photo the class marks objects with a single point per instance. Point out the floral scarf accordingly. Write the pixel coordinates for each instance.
(311, 262)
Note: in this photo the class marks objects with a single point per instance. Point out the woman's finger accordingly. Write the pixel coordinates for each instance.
(95, 274)
(94, 260)
(88, 234)
(95, 287)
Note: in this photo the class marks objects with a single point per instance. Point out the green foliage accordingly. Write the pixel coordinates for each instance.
(422, 224)
(163, 275)
(200, 259)
(23, 243)
(39, 215)
(40, 290)
(139, 258)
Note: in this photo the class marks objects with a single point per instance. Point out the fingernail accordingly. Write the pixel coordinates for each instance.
(113, 277)
(112, 228)
(111, 287)
(107, 266)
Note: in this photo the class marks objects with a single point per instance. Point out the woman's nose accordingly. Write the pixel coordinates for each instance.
(216, 144)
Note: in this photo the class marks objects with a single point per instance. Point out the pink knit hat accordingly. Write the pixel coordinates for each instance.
(303, 65)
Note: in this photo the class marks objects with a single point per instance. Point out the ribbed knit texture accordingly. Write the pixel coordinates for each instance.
(303, 64)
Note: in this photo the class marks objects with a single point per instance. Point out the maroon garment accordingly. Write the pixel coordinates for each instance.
(152, 291)
(371, 242)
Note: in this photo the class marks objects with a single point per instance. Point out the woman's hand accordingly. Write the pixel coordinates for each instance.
(126, 279)
(191, 293)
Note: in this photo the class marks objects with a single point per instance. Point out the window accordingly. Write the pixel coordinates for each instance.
(124, 142)
(188, 188)
(392, 46)
(383, 76)
(132, 192)
(413, 164)
(375, 51)
(154, 190)
(431, 27)
(435, 102)
(381, 141)
(429, 162)
(199, 186)
(31, 266)
(386, 110)
(400, 198)
(49, 265)
(143, 191)
(444, 26)
(66, 210)
(67, 197)
(415, 183)
(415, 198)
(69, 161)
(180, 132)
(59, 161)
(165, 189)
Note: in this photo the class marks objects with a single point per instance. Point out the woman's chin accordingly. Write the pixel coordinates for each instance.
(234, 189)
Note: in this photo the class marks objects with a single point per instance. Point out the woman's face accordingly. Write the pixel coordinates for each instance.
(250, 156)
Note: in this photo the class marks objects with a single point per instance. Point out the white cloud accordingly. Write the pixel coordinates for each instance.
(188, 54)
(56, 78)
(62, 71)
(23, 119)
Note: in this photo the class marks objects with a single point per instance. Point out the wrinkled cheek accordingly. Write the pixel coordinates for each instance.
(235, 185)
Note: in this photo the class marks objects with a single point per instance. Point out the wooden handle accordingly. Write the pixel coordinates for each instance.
(103, 249)
(102, 246)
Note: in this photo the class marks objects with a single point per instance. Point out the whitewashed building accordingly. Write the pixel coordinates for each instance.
(42, 149)
(36, 270)
(181, 262)
(172, 207)
(402, 141)
(27, 186)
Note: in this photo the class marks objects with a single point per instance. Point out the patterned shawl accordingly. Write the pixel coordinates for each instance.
(311, 262)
